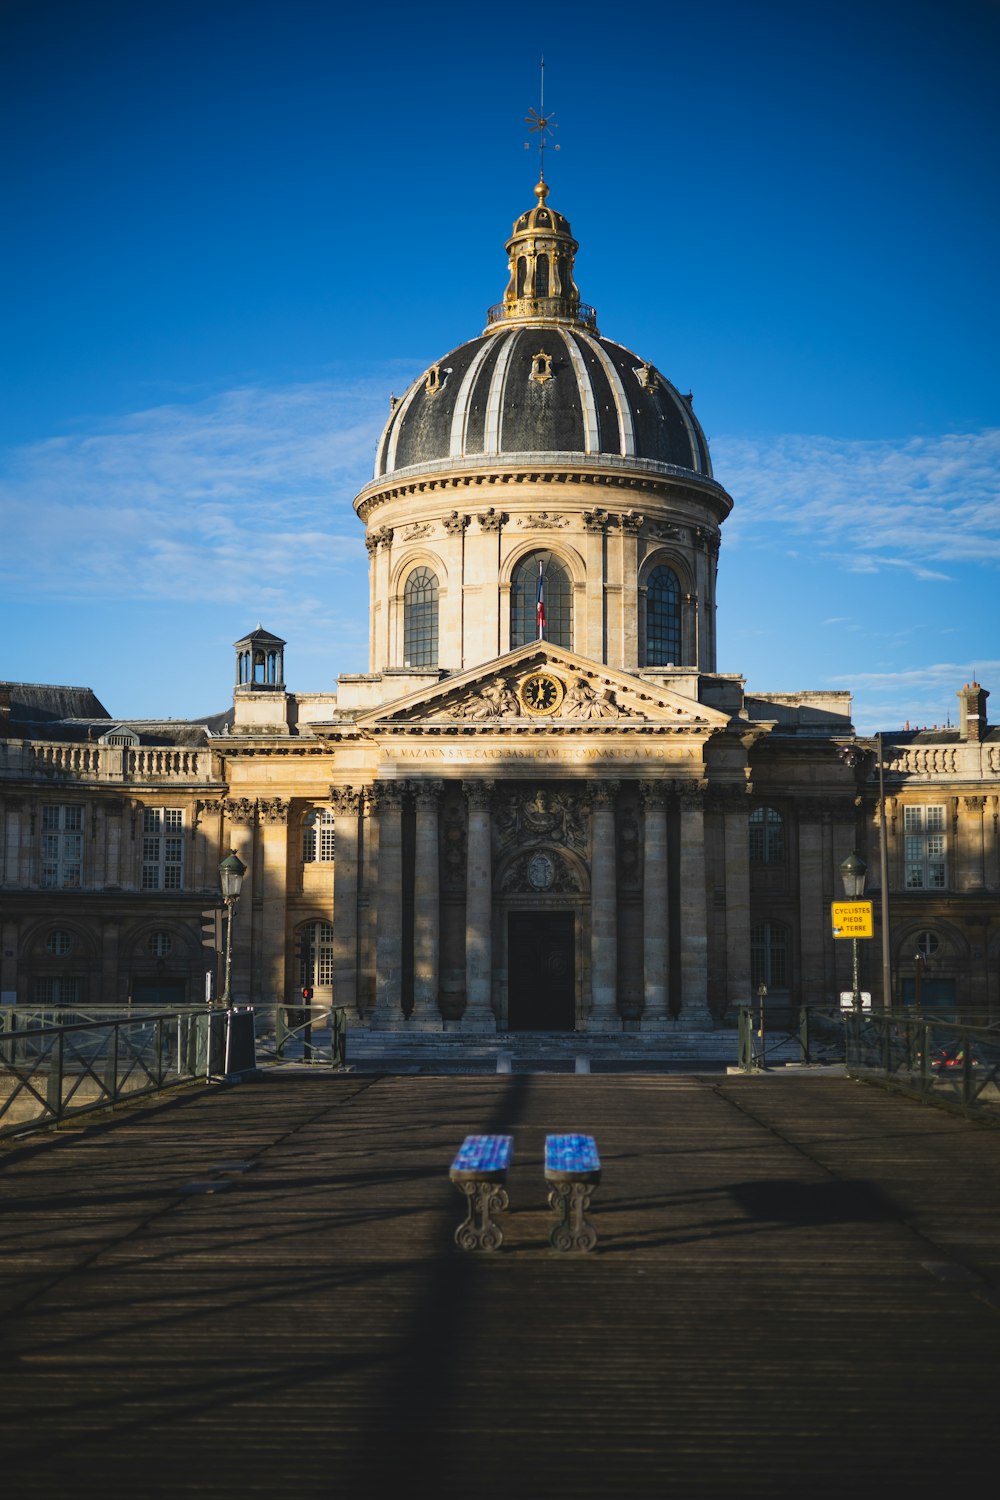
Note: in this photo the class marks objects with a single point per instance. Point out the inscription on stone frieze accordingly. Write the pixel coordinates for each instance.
(550, 754)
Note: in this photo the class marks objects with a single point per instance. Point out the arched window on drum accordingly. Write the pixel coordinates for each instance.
(663, 619)
(420, 619)
(556, 601)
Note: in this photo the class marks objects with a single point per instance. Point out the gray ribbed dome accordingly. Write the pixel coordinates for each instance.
(542, 388)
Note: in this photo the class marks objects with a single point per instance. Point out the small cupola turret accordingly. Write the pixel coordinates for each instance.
(260, 662)
(540, 254)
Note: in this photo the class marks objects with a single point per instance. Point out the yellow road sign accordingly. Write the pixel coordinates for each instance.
(852, 919)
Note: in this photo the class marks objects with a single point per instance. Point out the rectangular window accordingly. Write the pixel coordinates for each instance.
(318, 837)
(162, 849)
(56, 989)
(924, 848)
(62, 847)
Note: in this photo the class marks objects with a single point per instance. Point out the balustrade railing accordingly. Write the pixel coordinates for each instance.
(53, 759)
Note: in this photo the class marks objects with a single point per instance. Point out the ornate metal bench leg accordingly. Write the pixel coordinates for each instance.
(478, 1231)
(573, 1232)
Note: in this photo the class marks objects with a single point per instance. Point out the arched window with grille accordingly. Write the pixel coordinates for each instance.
(557, 598)
(767, 836)
(769, 956)
(420, 619)
(663, 619)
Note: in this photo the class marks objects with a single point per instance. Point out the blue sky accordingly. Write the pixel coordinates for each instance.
(234, 226)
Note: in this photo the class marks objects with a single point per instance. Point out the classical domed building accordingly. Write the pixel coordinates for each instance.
(543, 807)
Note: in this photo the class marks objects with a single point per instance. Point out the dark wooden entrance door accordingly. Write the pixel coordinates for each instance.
(541, 963)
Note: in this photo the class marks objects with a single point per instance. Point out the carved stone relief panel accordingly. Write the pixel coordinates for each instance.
(453, 843)
(539, 872)
(528, 817)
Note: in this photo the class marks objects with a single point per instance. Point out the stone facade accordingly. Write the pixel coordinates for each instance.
(584, 828)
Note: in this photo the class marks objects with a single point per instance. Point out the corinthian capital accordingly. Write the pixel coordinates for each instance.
(479, 794)
(344, 800)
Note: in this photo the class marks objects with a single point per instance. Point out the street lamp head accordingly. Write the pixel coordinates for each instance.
(853, 872)
(231, 873)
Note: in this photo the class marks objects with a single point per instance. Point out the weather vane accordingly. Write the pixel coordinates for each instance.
(542, 125)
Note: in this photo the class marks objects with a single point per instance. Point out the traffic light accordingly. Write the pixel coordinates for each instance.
(307, 993)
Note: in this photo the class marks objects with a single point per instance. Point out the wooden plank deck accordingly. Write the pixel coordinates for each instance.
(796, 1291)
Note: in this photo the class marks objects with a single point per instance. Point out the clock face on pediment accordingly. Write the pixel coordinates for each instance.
(541, 693)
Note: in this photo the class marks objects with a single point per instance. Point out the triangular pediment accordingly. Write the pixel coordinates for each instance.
(541, 685)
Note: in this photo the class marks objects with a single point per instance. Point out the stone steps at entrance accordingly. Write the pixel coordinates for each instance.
(539, 1051)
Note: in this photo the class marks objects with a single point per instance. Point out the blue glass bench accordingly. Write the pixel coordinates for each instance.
(480, 1171)
(573, 1170)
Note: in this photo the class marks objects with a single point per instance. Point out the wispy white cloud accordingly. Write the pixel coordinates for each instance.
(244, 495)
(918, 504)
(244, 498)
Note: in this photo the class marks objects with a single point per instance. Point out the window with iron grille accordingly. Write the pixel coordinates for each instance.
(663, 619)
(557, 596)
(924, 848)
(420, 619)
(769, 955)
(56, 989)
(767, 836)
(62, 846)
(162, 848)
(59, 942)
(318, 843)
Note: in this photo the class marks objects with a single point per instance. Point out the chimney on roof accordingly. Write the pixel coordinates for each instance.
(972, 706)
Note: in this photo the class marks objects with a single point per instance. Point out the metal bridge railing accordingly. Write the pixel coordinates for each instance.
(50, 1071)
(57, 1062)
(809, 1035)
(942, 1062)
(301, 1033)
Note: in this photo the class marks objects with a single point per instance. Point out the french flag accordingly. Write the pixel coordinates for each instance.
(540, 601)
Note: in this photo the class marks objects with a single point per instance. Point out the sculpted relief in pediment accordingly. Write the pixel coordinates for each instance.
(539, 695)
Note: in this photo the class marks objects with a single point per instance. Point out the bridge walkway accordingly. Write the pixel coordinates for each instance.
(253, 1290)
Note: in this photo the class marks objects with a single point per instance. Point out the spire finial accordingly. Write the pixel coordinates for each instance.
(542, 125)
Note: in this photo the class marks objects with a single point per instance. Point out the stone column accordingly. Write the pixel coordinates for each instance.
(628, 620)
(426, 909)
(242, 815)
(693, 907)
(388, 1012)
(479, 1014)
(736, 822)
(346, 808)
(603, 1015)
(589, 631)
(655, 939)
(272, 979)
